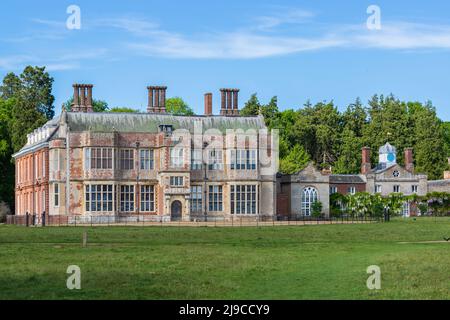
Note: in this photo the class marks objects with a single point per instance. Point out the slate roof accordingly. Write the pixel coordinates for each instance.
(346, 178)
(149, 123)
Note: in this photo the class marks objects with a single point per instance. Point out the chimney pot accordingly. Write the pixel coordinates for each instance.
(409, 160)
(208, 104)
(365, 164)
(156, 99)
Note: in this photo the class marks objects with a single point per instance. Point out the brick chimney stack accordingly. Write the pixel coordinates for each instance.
(82, 98)
(366, 166)
(229, 105)
(409, 161)
(208, 104)
(156, 99)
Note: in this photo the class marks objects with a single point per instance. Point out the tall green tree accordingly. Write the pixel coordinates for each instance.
(251, 107)
(430, 149)
(178, 107)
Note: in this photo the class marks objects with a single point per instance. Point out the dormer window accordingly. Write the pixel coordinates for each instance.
(166, 128)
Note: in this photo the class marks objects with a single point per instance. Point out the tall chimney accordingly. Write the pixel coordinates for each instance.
(229, 105)
(409, 161)
(82, 98)
(76, 98)
(89, 98)
(235, 102)
(208, 104)
(156, 99)
(223, 102)
(365, 164)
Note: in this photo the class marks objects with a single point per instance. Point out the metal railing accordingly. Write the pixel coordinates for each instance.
(43, 220)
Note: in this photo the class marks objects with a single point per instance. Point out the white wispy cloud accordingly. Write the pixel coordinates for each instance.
(291, 16)
(254, 42)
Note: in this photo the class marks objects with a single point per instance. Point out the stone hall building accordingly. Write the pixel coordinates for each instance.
(153, 165)
(297, 192)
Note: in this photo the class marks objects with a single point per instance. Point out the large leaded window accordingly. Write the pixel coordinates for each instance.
(196, 199)
(126, 198)
(309, 196)
(176, 181)
(56, 195)
(126, 159)
(146, 159)
(215, 159)
(98, 158)
(196, 159)
(243, 199)
(243, 159)
(99, 197)
(215, 198)
(147, 197)
(176, 157)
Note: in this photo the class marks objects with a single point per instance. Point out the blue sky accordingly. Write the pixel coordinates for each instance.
(297, 50)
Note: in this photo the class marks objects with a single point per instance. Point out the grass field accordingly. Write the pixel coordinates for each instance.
(296, 262)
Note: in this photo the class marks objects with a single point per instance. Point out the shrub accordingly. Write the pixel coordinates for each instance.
(4, 211)
(316, 208)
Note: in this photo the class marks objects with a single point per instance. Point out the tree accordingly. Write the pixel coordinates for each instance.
(349, 159)
(252, 106)
(97, 105)
(316, 209)
(446, 131)
(295, 161)
(6, 165)
(178, 107)
(123, 110)
(430, 149)
(26, 103)
(10, 87)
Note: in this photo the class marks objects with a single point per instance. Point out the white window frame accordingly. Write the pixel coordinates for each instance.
(176, 157)
(147, 198)
(351, 190)
(56, 196)
(127, 198)
(406, 209)
(196, 198)
(146, 159)
(243, 199)
(333, 189)
(106, 162)
(126, 159)
(215, 198)
(396, 187)
(215, 159)
(414, 188)
(176, 181)
(309, 196)
(196, 159)
(101, 191)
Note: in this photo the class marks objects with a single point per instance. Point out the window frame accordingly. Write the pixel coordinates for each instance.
(126, 159)
(147, 202)
(215, 198)
(100, 194)
(146, 159)
(127, 198)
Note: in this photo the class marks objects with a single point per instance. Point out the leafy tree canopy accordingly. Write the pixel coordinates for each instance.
(177, 106)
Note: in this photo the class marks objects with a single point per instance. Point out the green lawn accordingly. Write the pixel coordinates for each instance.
(292, 262)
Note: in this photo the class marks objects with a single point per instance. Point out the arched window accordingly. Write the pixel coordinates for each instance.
(309, 196)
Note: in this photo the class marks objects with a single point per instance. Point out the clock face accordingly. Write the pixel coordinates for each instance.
(391, 157)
